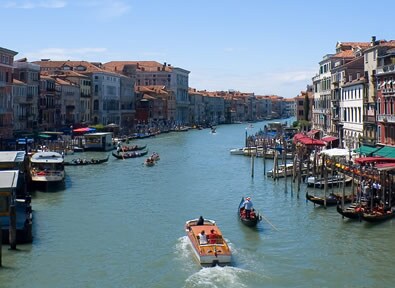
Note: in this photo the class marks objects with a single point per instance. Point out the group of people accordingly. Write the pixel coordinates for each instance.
(208, 239)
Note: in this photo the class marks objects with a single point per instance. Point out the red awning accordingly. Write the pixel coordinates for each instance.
(328, 139)
(306, 140)
(385, 166)
(378, 159)
(312, 132)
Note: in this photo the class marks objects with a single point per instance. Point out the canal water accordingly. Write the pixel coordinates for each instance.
(121, 224)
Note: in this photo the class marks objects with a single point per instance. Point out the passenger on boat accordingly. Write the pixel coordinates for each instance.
(212, 237)
(202, 238)
(200, 221)
(247, 204)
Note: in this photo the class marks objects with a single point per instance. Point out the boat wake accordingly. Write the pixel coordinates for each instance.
(214, 277)
(218, 277)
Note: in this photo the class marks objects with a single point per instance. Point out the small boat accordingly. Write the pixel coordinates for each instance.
(131, 148)
(331, 199)
(332, 180)
(155, 156)
(378, 216)
(149, 162)
(132, 154)
(215, 251)
(352, 211)
(213, 130)
(82, 162)
(254, 215)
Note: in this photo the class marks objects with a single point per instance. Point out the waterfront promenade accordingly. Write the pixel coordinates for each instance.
(120, 224)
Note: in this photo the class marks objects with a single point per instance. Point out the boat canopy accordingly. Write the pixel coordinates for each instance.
(335, 152)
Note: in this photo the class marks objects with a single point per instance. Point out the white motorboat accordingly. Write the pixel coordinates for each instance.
(46, 167)
(319, 182)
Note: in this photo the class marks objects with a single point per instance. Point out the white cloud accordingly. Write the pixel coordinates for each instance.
(26, 4)
(88, 54)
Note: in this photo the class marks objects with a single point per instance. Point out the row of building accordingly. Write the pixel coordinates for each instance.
(52, 95)
(352, 97)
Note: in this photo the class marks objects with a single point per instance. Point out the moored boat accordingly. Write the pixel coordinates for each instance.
(254, 218)
(215, 251)
(331, 199)
(46, 167)
(332, 180)
(352, 211)
(378, 216)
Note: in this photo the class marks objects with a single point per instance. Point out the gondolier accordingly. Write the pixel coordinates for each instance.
(247, 204)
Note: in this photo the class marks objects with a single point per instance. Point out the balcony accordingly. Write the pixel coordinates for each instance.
(369, 118)
(386, 118)
(385, 69)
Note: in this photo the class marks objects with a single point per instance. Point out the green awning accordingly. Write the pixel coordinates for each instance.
(44, 136)
(367, 150)
(386, 151)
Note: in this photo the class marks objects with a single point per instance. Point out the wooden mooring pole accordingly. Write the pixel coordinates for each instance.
(252, 165)
(12, 228)
(1, 243)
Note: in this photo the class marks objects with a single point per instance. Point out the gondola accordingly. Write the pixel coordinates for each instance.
(133, 154)
(132, 148)
(254, 216)
(376, 217)
(331, 199)
(353, 211)
(83, 162)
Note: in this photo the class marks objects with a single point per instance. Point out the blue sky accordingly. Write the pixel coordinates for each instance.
(266, 47)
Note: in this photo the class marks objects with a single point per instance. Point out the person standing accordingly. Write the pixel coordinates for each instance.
(247, 204)
(200, 221)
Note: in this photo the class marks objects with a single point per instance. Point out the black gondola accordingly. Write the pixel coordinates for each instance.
(83, 162)
(354, 211)
(378, 217)
(133, 154)
(331, 199)
(254, 216)
(132, 148)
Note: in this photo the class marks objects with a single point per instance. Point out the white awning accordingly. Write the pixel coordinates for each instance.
(336, 152)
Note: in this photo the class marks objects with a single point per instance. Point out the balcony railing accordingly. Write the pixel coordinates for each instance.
(386, 118)
(369, 118)
(385, 69)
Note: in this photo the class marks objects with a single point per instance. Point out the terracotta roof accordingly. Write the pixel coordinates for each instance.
(151, 66)
(58, 65)
(345, 54)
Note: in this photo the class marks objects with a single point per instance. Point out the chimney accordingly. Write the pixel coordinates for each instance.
(373, 43)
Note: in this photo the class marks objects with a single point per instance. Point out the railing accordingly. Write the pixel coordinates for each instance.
(369, 118)
(385, 69)
(386, 118)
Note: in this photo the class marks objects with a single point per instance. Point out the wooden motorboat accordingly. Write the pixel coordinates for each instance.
(132, 148)
(82, 162)
(378, 216)
(352, 211)
(331, 199)
(254, 215)
(216, 251)
(132, 154)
